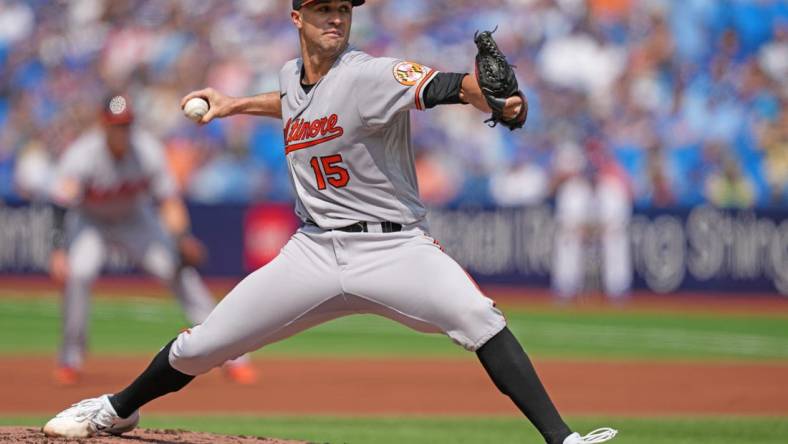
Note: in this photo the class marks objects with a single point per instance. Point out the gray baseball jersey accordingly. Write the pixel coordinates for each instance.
(109, 189)
(359, 108)
(112, 203)
(350, 157)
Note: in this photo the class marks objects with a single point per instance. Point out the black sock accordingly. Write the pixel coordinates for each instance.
(515, 376)
(157, 380)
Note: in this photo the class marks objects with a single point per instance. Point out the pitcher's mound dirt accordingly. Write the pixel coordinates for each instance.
(146, 436)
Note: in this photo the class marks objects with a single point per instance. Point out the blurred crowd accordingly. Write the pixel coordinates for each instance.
(683, 102)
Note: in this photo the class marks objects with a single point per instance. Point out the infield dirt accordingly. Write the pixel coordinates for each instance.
(418, 387)
(32, 435)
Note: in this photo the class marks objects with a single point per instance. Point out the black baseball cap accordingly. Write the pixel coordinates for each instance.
(297, 4)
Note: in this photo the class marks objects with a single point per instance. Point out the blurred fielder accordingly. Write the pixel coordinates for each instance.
(107, 184)
(593, 208)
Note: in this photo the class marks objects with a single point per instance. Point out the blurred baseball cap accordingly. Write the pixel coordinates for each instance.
(298, 4)
(116, 110)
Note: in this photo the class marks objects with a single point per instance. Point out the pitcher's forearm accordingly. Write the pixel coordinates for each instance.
(219, 105)
(267, 104)
(472, 93)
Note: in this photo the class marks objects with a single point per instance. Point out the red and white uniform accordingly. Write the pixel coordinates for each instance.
(110, 190)
(111, 205)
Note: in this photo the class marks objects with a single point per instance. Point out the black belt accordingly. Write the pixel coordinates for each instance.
(364, 227)
(367, 227)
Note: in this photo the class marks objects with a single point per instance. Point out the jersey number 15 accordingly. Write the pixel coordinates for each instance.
(337, 176)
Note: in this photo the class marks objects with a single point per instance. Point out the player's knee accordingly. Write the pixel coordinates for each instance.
(80, 278)
(477, 324)
(190, 356)
(82, 271)
(161, 262)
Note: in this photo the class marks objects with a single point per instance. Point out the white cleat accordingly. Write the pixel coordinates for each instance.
(89, 417)
(599, 435)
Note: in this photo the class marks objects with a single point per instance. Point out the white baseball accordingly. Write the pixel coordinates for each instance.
(195, 108)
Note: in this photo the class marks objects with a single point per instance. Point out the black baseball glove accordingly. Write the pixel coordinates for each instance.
(497, 80)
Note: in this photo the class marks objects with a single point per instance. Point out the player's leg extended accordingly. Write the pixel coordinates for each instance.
(192, 294)
(419, 283)
(152, 248)
(286, 296)
(615, 210)
(86, 254)
(572, 210)
(617, 261)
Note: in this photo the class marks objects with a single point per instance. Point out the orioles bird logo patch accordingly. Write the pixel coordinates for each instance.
(408, 73)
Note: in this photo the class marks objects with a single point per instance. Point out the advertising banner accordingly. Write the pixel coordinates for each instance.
(696, 249)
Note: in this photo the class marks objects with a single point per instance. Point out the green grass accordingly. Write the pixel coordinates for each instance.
(470, 430)
(142, 325)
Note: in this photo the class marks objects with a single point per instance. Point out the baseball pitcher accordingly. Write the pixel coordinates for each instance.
(365, 245)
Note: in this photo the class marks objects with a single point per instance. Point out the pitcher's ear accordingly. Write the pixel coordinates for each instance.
(295, 16)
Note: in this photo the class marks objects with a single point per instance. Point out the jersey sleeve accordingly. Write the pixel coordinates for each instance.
(162, 183)
(386, 86)
(289, 71)
(67, 186)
